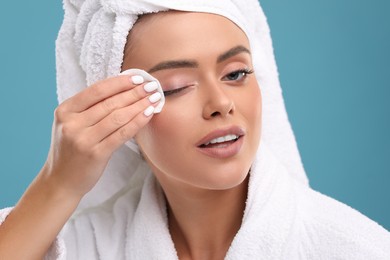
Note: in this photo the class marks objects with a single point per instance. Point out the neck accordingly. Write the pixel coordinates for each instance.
(203, 223)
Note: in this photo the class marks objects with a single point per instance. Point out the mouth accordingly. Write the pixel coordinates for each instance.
(222, 143)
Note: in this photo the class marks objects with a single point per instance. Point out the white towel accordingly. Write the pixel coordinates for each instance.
(90, 48)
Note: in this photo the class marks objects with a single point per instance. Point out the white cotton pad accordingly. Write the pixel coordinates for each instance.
(132, 144)
(148, 77)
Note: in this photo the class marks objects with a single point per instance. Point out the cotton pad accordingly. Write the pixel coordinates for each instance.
(148, 77)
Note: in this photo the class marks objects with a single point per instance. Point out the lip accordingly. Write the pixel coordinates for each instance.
(225, 151)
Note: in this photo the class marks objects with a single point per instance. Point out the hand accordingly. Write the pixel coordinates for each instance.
(90, 126)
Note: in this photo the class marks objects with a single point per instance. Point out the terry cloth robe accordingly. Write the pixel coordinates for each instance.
(283, 219)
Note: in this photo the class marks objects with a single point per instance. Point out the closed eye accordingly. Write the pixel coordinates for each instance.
(237, 75)
(174, 91)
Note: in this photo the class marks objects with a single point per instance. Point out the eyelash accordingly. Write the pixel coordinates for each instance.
(245, 71)
(173, 91)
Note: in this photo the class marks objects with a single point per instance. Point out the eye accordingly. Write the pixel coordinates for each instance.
(237, 75)
(174, 91)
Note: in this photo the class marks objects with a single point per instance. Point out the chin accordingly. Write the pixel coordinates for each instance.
(224, 179)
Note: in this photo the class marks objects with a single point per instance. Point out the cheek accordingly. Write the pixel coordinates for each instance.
(251, 110)
(165, 131)
(250, 105)
(258, 107)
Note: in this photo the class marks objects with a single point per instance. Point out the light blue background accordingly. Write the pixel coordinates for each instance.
(334, 63)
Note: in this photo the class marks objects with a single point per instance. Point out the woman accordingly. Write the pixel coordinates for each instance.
(215, 174)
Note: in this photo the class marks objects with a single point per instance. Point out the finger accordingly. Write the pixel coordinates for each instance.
(102, 109)
(125, 133)
(118, 119)
(99, 91)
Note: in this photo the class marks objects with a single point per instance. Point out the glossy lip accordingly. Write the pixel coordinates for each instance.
(232, 130)
(225, 151)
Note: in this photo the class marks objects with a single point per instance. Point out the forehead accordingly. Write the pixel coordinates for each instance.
(180, 35)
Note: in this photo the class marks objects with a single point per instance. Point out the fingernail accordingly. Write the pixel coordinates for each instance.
(155, 97)
(137, 79)
(151, 86)
(149, 111)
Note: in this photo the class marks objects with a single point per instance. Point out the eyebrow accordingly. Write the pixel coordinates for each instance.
(232, 52)
(176, 64)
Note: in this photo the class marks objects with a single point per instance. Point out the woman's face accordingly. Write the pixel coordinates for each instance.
(204, 65)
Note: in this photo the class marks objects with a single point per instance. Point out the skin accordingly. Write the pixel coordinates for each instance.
(90, 126)
(196, 184)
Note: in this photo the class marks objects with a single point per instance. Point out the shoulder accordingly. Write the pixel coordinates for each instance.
(337, 230)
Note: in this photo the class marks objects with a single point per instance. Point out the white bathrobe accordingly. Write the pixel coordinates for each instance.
(124, 216)
(283, 219)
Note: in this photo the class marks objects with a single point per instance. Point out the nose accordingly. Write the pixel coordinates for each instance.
(217, 101)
